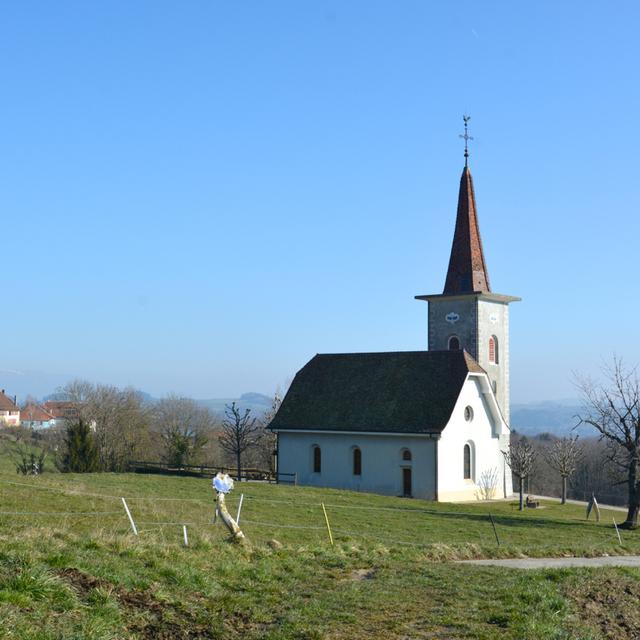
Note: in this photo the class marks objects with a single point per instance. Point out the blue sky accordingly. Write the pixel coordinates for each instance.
(199, 196)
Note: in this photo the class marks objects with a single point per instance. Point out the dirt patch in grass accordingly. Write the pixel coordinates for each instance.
(609, 604)
(362, 574)
(152, 619)
(83, 583)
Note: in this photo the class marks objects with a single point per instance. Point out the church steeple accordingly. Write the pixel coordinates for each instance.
(468, 315)
(467, 272)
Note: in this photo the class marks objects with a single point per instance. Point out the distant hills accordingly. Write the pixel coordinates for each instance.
(558, 418)
(257, 402)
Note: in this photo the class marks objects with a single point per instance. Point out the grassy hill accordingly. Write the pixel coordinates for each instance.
(70, 566)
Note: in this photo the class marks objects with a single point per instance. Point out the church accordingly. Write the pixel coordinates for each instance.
(426, 424)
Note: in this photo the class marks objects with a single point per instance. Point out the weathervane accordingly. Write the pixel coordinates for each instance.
(466, 137)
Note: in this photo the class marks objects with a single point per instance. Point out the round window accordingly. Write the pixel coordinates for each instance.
(468, 413)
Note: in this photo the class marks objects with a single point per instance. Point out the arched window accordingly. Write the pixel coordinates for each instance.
(493, 350)
(357, 462)
(406, 455)
(454, 343)
(317, 459)
(467, 462)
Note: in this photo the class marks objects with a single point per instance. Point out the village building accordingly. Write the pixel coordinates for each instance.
(33, 416)
(63, 411)
(9, 410)
(430, 424)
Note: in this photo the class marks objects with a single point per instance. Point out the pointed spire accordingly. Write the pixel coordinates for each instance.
(467, 271)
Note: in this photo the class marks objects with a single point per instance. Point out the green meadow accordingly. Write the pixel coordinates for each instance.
(71, 567)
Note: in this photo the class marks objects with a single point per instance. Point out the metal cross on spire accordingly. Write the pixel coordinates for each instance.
(466, 137)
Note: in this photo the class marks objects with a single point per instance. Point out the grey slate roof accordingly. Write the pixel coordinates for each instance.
(400, 391)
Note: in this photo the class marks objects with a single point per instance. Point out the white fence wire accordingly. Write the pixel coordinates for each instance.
(153, 525)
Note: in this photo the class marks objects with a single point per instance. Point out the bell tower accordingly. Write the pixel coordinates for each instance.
(467, 314)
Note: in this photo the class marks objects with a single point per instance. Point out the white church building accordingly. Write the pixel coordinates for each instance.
(426, 424)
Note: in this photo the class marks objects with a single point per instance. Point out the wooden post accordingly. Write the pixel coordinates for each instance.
(239, 508)
(617, 531)
(326, 519)
(495, 531)
(133, 524)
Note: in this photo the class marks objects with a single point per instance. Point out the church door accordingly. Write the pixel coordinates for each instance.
(406, 483)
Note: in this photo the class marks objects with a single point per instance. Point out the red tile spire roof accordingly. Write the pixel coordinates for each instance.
(467, 271)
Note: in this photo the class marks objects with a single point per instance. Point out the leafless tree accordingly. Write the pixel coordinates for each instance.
(184, 427)
(563, 456)
(263, 452)
(240, 432)
(488, 483)
(613, 409)
(118, 419)
(521, 458)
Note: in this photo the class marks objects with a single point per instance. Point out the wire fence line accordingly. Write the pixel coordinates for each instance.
(152, 520)
(60, 513)
(602, 540)
(107, 496)
(294, 503)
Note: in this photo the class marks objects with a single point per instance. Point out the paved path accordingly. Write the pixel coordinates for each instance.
(610, 507)
(559, 563)
(537, 496)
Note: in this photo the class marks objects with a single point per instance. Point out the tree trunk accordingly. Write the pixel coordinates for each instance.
(238, 465)
(229, 522)
(634, 497)
(521, 483)
(564, 490)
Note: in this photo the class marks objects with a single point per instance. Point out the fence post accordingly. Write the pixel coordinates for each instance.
(239, 508)
(615, 524)
(495, 531)
(133, 524)
(326, 519)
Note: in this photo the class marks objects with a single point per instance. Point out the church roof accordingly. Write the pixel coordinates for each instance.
(467, 272)
(400, 391)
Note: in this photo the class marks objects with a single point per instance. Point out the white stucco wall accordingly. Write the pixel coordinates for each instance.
(382, 462)
(483, 434)
(10, 417)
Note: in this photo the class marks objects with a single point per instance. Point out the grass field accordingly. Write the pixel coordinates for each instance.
(70, 566)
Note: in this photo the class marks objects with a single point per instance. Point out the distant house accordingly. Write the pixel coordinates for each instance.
(33, 416)
(62, 411)
(9, 410)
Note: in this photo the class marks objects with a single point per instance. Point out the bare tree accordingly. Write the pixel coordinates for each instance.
(263, 452)
(184, 427)
(240, 432)
(521, 458)
(118, 419)
(488, 483)
(613, 409)
(563, 455)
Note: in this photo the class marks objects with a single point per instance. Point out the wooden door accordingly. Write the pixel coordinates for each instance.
(406, 483)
